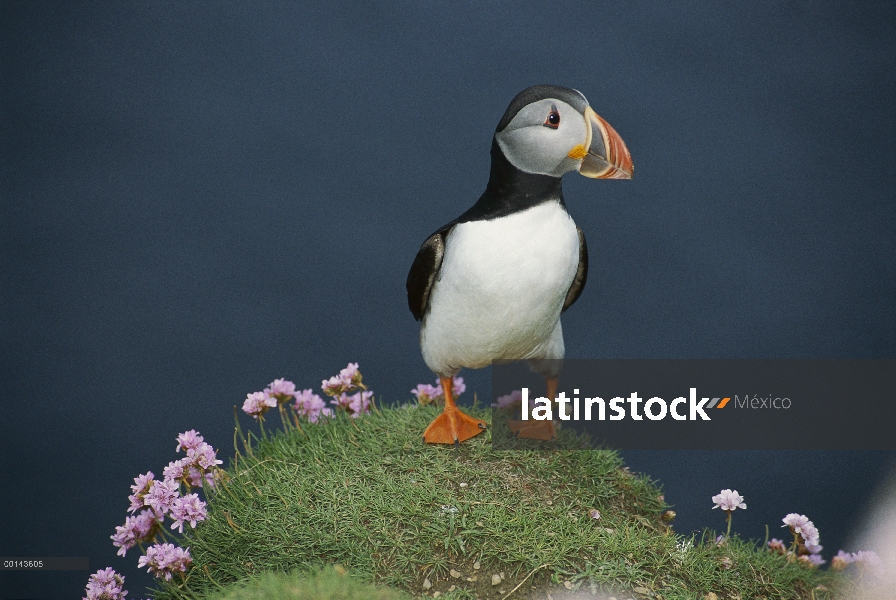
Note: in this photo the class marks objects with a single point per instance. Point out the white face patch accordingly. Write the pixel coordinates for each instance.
(533, 147)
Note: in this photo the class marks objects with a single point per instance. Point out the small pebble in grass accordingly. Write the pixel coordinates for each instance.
(452, 588)
(436, 594)
(454, 573)
(476, 565)
(567, 584)
(426, 584)
(496, 579)
(462, 484)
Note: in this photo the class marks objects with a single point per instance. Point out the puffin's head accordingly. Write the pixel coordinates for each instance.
(551, 130)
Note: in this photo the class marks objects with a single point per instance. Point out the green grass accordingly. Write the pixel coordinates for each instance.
(331, 583)
(367, 494)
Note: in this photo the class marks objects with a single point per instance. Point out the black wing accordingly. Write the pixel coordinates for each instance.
(578, 282)
(425, 270)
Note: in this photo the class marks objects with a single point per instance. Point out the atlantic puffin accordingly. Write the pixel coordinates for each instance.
(491, 284)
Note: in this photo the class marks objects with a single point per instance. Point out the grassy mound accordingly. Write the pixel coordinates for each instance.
(329, 584)
(367, 494)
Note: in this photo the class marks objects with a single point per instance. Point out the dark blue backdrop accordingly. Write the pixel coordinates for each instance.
(199, 198)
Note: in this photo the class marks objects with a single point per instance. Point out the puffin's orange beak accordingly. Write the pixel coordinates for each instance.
(605, 156)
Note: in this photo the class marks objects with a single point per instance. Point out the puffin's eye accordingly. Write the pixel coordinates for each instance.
(553, 119)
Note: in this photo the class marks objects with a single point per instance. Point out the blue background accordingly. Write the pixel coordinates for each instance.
(199, 198)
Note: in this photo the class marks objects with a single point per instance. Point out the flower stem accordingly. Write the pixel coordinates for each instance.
(728, 533)
(796, 541)
(283, 418)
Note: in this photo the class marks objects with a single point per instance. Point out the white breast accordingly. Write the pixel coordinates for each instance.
(501, 289)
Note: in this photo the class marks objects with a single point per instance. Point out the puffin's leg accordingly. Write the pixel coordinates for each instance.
(452, 426)
(538, 430)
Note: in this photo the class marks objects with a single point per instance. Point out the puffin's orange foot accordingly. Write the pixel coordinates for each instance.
(536, 430)
(452, 427)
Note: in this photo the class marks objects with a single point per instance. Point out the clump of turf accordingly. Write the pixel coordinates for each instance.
(470, 522)
(328, 584)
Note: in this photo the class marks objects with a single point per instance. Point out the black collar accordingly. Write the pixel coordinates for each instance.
(510, 190)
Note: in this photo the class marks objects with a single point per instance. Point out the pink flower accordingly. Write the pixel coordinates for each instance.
(777, 546)
(105, 584)
(511, 399)
(812, 560)
(258, 403)
(196, 477)
(141, 486)
(839, 562)
(868, 558)
(594, 514)
(729, 500)
(341, 401)
(349, 379)
(802, 526)
(335, 386)
(814, 548)
(187, 509)
(161, 495)
(125, 536)
(426, 394)
(175, 469)
(795, 521)
(356, 404)
(810, 535)
(188, 439)
(359, 403)
(204, 456)
(148, 522)
(281, 390)
(141, 528)
(164, 559)
(311, 406)
(350, 374)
